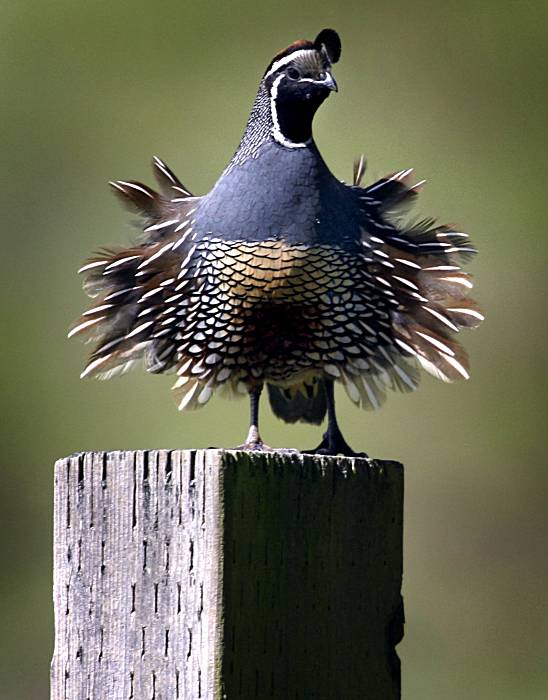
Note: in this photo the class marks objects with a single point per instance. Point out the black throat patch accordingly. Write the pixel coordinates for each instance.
(293, 110)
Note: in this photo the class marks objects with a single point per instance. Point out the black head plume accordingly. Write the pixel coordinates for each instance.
(328, 43)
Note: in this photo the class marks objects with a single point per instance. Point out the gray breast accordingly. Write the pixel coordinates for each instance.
(283, 194)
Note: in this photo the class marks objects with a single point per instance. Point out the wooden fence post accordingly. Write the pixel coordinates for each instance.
(209, 574)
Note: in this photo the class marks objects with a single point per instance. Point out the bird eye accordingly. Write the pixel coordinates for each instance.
(293, 74)
(322, 75)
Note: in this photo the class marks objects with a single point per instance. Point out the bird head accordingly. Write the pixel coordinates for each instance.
(298, 80)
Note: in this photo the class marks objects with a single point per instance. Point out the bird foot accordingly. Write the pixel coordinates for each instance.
(254, 441)
(333, 443)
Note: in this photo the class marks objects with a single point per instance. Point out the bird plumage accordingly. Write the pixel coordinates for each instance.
(281, 274)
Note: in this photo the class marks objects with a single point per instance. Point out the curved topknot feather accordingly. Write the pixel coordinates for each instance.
(329, 40)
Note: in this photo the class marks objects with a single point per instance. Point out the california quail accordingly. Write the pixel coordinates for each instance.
(282, 275)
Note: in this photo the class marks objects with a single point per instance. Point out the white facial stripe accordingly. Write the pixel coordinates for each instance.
(287, 59)
(276, 132)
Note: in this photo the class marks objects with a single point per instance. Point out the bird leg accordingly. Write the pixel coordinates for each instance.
(333, 442)
(254, 441)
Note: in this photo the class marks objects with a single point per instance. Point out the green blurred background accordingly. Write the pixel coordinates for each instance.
(91, 90)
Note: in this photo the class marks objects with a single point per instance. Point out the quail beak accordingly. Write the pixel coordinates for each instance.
(330, 83)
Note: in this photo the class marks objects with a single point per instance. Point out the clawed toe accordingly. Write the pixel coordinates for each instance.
(333, 444)
(334, 452)
(258, 446)
(262, 447)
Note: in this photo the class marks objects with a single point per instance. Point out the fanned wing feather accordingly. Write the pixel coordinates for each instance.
(140, 293)
(419, 268)
(132, 287)
(169, 183)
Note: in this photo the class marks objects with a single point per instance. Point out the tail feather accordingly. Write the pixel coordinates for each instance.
(304, 402)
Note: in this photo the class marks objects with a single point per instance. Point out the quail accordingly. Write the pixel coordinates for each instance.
(282, 275)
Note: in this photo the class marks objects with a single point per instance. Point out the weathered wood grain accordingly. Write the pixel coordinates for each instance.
(209, 574)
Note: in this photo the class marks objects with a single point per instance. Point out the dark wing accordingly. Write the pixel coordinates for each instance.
(137, 288)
